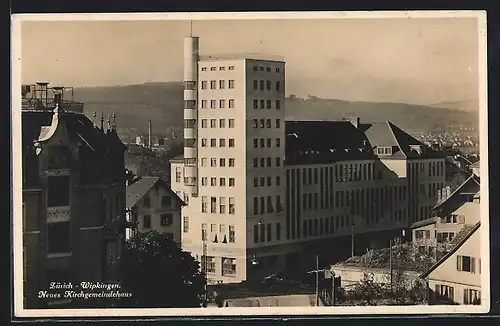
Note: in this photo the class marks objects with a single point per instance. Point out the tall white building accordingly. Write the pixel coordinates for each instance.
(257, 187)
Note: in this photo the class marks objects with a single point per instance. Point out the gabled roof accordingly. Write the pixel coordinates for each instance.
(452, 251)
(428, 221)
(137, 190)
(469, 186)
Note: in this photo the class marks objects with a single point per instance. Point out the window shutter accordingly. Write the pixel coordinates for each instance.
(451, 293)
(436, 291)
(466, 298)
(459, 263)
(427, 234)
(461, 219)
(473, 265)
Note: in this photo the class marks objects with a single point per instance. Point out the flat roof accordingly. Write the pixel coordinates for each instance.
(242, 56)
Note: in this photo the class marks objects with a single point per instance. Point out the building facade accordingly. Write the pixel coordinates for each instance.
(73, 195)
(152, 205)
(268, 185)
(456, 278)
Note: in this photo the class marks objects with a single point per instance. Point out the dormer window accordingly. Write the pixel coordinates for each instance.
(384, 150)
(416, 148)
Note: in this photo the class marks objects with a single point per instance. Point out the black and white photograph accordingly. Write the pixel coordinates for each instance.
(250, 164)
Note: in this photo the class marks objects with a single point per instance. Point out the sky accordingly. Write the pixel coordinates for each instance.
(418, 60)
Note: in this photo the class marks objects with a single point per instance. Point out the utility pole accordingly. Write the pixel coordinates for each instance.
(353, 251)
(204, 268)
(390, 261)
(333, 288)
(317, 280)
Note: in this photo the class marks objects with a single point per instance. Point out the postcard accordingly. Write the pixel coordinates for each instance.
(242, 164)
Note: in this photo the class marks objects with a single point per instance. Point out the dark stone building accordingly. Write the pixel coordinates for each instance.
(73, 197)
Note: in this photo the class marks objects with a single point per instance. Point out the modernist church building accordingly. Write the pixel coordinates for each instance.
(259, 187)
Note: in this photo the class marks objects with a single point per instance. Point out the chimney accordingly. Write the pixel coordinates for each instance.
(150, 133)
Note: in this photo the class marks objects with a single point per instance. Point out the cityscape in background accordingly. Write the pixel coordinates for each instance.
(276, 200)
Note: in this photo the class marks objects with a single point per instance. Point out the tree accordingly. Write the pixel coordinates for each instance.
(159, 274)
(367, 290)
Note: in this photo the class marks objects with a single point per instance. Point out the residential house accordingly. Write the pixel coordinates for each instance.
(73, 195)
(456, 277)
(152, 205)
(454, 214)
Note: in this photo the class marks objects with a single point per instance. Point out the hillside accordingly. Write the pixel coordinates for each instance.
(162, 103)
(470, 105)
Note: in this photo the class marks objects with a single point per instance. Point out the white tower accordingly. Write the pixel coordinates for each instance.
(191, 55)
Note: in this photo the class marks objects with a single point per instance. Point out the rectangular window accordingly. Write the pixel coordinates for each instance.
(255, 143)
(222, 205)
(222, 84)
(262, 232)
(58, 191)
(268, 104)
(222, 142)
(261, 85)
(213, 162)
(278, 181)
(231, 123)
(262, 104)
(166, 219)
(213, 142)
(278, 123)
(231, 182)
(204, 123)
(255, 234)
(212, 104)
(204, 181)
(222, 104)
(203, 104)
(278, 231)
(268, 123)
(213, 182)
(278, 161)
(204, 204)
(472, 297)
(222, 182)
(232, 234)
(466, 264)
(147, 221)
(268, 85)
(231, 142)
(255, 103)
(231, 67)
(222, 162)
(278, 142)
(232, 206)
(278, 105)
(222, 123)
(231, 162)
(58, 237)
(255, 123)
(269, 181)
(255, 205)
(255, 85)
(231, 84)
(213, 205)
(213, 123)
(166, 201)
(213, 84)
(228, 266)
(278, 86)
(146, 202)
(231, 103)
(261, 142)
(269, 232)
(204, 232)
(203, 84)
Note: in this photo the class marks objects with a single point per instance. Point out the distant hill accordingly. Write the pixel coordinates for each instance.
(162, 103)
(470, 105)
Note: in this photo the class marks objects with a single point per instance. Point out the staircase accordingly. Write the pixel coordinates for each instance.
(461, 235)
